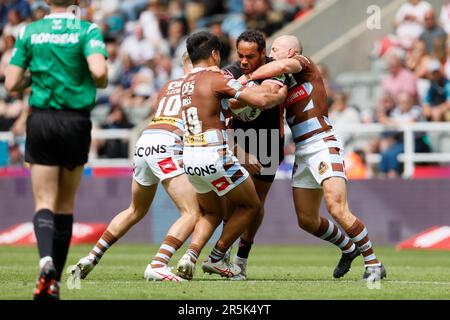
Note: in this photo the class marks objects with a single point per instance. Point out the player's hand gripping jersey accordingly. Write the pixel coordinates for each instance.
(319, 154)
(208, 161)
(271, 120)
(159, 151)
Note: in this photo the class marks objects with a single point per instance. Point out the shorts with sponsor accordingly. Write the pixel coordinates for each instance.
(318, 160)
(213, 168)
(58, 137)
(158, 155)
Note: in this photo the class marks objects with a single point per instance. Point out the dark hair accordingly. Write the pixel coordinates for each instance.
(201, 44)
(253, 36)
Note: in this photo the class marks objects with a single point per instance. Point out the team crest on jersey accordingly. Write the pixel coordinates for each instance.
(323, 167)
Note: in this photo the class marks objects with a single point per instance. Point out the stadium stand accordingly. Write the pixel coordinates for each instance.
(145, 39)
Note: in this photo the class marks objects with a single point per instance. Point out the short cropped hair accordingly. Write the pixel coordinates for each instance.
(253, 36)
(200, 45)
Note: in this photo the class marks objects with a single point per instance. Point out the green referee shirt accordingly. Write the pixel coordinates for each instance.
(55, 49)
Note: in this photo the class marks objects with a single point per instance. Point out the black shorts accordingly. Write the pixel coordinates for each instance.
(269, 141)
(58, 137)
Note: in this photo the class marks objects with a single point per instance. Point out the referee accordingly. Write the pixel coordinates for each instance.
(66, 58)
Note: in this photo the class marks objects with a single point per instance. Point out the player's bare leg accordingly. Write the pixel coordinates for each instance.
(212, 215)
(185, 198)
(246, 205)
(141, 199)
(307, 207)
(335, 194)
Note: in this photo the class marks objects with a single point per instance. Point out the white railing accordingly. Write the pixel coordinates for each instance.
(409, 157)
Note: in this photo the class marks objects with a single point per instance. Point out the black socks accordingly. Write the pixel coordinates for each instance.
(43, 222)
(61, 241)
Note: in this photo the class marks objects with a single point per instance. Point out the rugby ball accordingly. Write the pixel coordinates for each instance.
(247, 113)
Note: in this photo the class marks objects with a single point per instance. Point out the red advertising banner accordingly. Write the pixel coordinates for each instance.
(23, 234)
(435, 238)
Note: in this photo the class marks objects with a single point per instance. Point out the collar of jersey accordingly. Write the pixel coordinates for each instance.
(60, 15)
(198, 69)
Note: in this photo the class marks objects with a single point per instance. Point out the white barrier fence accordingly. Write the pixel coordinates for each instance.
(409, 157)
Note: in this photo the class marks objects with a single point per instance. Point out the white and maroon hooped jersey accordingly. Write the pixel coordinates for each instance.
(306, 104)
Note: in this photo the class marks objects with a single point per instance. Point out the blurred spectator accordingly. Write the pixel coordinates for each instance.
(39, 11)
(215, 27)
(130, 8)
(355, 165)
(399, 79)
(433, 36)
(437, 99)
(10, 110)
(306, 9)
(385, 106)
(257, 14)
(176, 39)
(16, 157)
(341, 114)
(149, 20)
(330, 85)
(409, 20)
(418, 58)
(444, 17)
(116, 148)
(8, 47)
(140, 50)
(393, 144)
(14, 25)
(447, 62)
(20, 6)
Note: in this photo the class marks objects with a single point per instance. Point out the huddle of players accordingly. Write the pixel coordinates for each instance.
(188, 140)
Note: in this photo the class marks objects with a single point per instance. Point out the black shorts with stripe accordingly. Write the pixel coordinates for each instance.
(58, 137)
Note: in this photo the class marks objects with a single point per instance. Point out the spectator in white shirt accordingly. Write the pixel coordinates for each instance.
(139, 49)
(409, 20)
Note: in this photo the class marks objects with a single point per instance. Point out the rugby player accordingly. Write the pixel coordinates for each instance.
(158, 158)
(269, 130)
(319, 169)
(208, 161)
(67, 61)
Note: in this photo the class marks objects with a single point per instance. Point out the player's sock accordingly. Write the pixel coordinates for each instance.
(193, 252)
(328, 231)
(43, 221)
(218, 252)
(61, 241)
(244, 249)
(360, 237)
(103, 244)
(169, 246)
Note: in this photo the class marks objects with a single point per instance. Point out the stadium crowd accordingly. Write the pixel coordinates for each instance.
(146, 38)
(416, 86)
(145, 41)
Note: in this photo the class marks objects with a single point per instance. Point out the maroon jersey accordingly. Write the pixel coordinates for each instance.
(168, 115)
(306, 104)
(201, 95)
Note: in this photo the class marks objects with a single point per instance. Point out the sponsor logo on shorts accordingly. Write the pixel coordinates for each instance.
(149, 151)
(221, 184)
(200, 171)
(167, 165)
(323, 167)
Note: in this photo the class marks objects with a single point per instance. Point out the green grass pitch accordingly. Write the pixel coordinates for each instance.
(275, 272)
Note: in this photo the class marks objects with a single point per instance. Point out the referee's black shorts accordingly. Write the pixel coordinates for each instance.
(58, 137)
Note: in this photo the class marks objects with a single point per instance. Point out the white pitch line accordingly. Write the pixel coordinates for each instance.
(282, 281)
